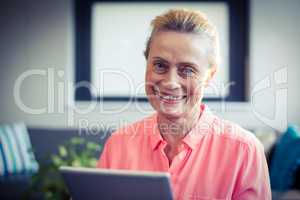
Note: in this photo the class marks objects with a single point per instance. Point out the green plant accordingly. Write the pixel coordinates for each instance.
(48, 183)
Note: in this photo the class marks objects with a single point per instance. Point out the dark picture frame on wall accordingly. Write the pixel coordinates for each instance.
(238, 50)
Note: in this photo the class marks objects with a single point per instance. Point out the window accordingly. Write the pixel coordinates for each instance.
(110, 40)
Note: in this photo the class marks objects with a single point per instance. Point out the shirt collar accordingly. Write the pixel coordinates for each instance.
(155, 137)
(202, 128)
(192, 139)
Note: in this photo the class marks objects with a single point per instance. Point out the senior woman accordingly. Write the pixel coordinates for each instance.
(207, 157)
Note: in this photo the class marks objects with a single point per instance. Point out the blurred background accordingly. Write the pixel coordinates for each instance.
(38, 35)
(38, 69)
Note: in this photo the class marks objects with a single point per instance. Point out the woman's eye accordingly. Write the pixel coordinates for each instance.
(187, 71)
(160, 67)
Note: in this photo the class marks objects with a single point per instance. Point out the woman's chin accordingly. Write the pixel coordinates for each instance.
(171, 113)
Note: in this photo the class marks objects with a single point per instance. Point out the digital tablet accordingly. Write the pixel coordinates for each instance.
(106, 184)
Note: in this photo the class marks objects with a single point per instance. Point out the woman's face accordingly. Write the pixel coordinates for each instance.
(177, 72)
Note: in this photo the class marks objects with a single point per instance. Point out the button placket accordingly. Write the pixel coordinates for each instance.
(178, 160)
(164, 156)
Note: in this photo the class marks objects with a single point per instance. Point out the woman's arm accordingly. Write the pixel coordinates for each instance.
(104, 160)
(253, 182)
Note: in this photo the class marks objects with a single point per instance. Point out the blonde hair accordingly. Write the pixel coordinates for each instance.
(187, 21)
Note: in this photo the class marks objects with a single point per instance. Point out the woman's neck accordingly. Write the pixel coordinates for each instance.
(173, 130)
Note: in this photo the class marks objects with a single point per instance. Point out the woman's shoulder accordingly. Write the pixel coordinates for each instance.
(235, 133)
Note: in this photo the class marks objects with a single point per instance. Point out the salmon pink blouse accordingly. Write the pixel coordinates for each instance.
(217, 158)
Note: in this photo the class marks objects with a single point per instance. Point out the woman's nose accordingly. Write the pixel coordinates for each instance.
(171, 80)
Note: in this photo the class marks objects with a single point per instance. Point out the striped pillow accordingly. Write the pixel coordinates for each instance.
(16, 155)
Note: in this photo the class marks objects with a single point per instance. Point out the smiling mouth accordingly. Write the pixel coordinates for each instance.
(169, 98)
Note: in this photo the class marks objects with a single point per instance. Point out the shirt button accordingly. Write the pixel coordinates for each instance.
(181, 156)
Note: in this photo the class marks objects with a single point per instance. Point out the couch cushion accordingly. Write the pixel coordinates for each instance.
(16, 156)
(285, 160)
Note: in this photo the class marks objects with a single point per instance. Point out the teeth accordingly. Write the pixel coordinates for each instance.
(171, 97)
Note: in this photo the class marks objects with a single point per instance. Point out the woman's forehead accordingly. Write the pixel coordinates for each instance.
(179, 47)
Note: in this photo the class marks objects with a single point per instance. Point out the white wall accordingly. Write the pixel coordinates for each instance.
(275, 39)
(38, 35)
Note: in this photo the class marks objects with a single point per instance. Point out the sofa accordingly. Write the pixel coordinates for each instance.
(45, 142)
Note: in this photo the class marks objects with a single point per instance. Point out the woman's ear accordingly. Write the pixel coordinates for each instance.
(211, 72)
